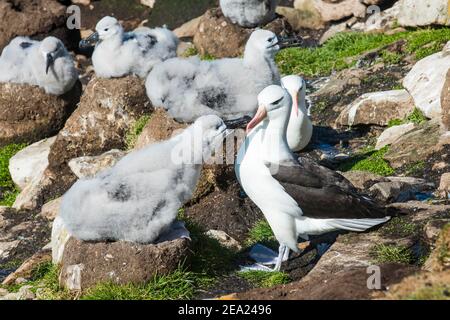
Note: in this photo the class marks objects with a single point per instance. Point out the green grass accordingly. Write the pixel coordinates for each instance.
(390, 253)
(9, 189)
(264, 279)
(371, 161)
(415, 168)
(260, 233)
(390, 58)
(136, 129)
(433, 292)
(416, 117)
(343, 50)
(191, 51)
(399, 227)
(178, 285)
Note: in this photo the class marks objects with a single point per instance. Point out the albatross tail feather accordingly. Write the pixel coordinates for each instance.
(356, 225)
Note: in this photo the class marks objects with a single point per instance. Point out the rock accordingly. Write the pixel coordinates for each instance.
(21, 234)
(3, 292)
(188, 29)
(224, 239)
(306, 17)
(86, 264)
(439, 259)
(362, 179)
(380, 21)
(377, 108)
(399, 189)
(425, 82)
(415, 146)
(25, 293)
(217, 37)
(392, 134)
(444, 186)
(27, 268)
(50, 210)
(159, 128)
(445, 105)
(432, 230)
(89, 166)
(36, 19)
(423, 13)
(59, 239)
(332, 11)
(107, 110)
(35, 194)
(148, 3)
(30, 162)
(28, 114)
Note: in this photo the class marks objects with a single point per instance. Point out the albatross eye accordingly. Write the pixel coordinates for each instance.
(106, 30)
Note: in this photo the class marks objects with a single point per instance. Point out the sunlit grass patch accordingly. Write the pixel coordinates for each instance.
(264, 279)
(134, 132)
(261, 232)
(383, 253)
(371, 161)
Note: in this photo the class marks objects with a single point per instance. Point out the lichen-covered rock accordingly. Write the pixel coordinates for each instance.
(362, 179)
(332, 10)
(37, 19)
(218, 37)
(28, 114)
(399, 189)
(415, 13)
(85, 264)
(306, 16)
(377, 108)
(444, 185)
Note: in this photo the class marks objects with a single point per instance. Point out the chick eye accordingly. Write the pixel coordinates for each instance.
(218, 126)
(106, 30)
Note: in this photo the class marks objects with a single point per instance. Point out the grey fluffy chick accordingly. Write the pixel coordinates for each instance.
(190, 88)
(138, 198)
(249, 13)
(119, 53)
(45, 63)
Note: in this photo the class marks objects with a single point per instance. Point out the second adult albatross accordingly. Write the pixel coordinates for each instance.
(300, 128)
(297, 197)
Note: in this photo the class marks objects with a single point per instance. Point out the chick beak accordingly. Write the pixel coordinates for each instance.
(237, 123)
(291, 42)
(49, 62)
(260, 115)
(89, 41)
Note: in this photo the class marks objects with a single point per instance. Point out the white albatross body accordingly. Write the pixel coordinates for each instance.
(270, 174)
(300, 128)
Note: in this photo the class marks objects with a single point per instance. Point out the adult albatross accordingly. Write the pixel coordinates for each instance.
(297, 196)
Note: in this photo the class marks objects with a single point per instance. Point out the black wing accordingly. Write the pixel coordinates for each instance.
(324, 194)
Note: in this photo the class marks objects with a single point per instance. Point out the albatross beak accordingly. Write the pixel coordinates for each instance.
(89, 41)
(291, 42)
(238, 123)
(49, 62)
(260, 115)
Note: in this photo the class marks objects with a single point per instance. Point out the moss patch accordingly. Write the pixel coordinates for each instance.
(264, 279)
(392, 254)
(399, 227)
(136, 129)
(371, 161)
(7, 186)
